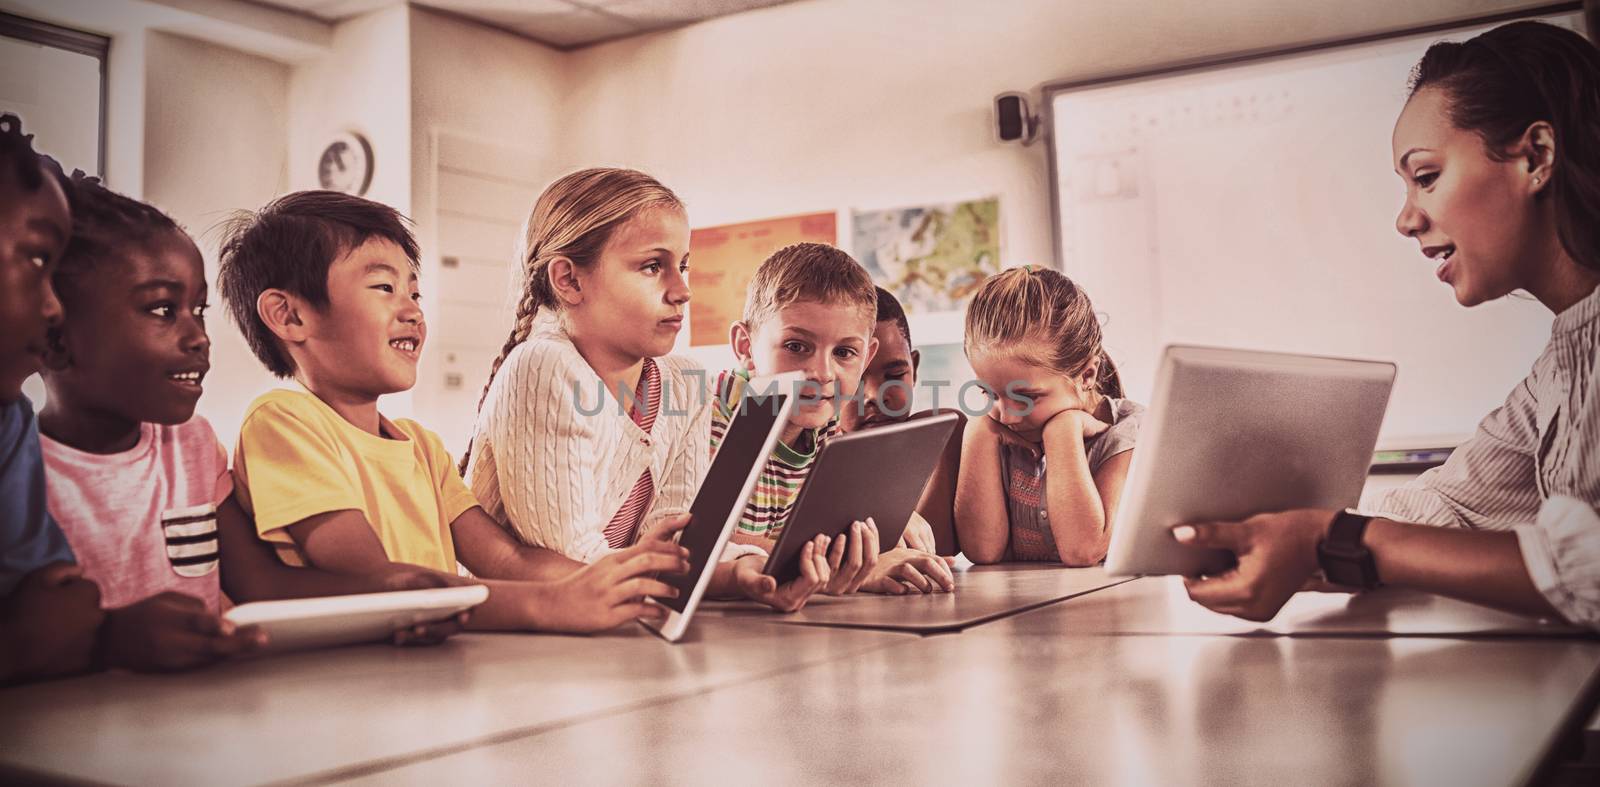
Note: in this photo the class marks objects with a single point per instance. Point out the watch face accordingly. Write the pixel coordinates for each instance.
(346, 165)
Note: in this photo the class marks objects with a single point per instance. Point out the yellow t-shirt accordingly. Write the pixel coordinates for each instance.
(297, 458)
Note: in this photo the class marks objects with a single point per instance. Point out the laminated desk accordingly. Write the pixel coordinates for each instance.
(983, 594)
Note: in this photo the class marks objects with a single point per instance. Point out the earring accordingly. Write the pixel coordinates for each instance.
(1537, 181)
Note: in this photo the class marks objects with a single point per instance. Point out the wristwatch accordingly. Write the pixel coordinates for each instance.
(1344, 559)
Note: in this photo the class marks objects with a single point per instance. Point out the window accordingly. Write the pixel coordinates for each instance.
(54, 79)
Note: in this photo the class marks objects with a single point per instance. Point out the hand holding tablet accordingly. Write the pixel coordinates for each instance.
(875, 474)
(720, 502)
(1234, 433)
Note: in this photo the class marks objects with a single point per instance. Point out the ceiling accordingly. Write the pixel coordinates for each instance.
(563, 24)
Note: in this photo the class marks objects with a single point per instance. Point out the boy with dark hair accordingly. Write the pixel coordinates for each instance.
(887, 397)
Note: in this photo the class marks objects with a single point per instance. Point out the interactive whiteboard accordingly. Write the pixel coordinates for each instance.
(1253, 206)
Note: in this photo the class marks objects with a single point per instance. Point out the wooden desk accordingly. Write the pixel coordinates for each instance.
(312, 716)
(983, 593)
(991, 707)
(1032, 698)
(1159, 605)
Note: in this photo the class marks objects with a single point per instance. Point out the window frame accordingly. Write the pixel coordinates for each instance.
(70, 40)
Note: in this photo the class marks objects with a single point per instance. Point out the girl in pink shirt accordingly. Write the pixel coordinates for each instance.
(133, 477)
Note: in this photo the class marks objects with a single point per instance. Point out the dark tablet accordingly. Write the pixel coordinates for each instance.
(877, 472)
(718, 505)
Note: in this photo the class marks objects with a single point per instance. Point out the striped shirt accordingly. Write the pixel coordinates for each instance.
(619, 533)
(1533, 466)
(785, 471)
(555, 456)
(144, 521)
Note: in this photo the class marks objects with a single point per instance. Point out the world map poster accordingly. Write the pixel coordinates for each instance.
(932, 257)
(723, 259)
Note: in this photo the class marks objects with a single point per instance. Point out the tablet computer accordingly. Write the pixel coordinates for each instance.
(878, 473)
(720, 501)
(297, 624)
(1233, 433)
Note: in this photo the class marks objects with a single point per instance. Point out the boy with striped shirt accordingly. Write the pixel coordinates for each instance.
(812, 308)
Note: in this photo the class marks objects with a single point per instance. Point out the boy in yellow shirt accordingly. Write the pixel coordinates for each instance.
(324, 287)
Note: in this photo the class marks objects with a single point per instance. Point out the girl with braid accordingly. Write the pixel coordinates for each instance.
(588, 434)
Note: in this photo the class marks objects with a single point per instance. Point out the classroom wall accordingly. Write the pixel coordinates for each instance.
(236, 24)
(478, 156)
(831, 104)
(215, 131)
(815, 105)
(227, 130)
(361, 83)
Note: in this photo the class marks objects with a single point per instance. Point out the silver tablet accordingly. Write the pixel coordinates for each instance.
(1232, 433)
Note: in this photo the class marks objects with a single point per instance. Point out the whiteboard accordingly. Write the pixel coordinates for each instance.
(1253, 206)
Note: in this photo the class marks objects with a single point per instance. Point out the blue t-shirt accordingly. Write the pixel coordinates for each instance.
(29, 537)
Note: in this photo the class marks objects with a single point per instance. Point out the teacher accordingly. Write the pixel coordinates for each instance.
(1499, 148)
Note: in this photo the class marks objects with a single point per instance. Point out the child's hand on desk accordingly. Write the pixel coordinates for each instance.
(407, 577)
(918, 535)
(172, 631)
(902, 570)
(612, 590)
(790, 597)
(51, 621)
(852, 558)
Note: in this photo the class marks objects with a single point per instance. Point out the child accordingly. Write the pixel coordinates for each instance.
(136, 500)
(1033, 339)
(136, 478)
(887, 389)
(49, 613)
(324, 287)
(811, 308)
(574, 474)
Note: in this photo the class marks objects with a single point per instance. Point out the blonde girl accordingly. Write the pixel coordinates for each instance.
(1042, 473)
(588, 432)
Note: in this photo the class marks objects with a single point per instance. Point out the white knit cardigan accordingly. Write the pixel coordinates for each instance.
(554, 456)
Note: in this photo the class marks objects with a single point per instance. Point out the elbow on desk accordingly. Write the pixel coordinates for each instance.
(1082, 556)
(985, 556)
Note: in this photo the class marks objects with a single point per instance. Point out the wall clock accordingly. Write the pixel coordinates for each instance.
(346, 164)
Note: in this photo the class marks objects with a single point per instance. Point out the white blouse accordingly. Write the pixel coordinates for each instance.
(555, 456)
(1533, 467)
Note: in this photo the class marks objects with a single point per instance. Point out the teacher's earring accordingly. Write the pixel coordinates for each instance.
(1537, 181)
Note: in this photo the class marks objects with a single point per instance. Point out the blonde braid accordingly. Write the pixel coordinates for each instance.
(521, 327)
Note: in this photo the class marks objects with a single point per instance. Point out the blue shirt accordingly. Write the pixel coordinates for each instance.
(29, 537)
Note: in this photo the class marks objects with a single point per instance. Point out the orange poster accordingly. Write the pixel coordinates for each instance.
(722, 260)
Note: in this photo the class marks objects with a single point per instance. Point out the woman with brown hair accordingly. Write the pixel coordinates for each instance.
(1499, 148)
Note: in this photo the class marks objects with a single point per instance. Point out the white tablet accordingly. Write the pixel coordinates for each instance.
(1233, 433)
(296, 624)
(752, 434)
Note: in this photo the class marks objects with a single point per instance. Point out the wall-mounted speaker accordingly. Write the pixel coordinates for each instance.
(1014, 120)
